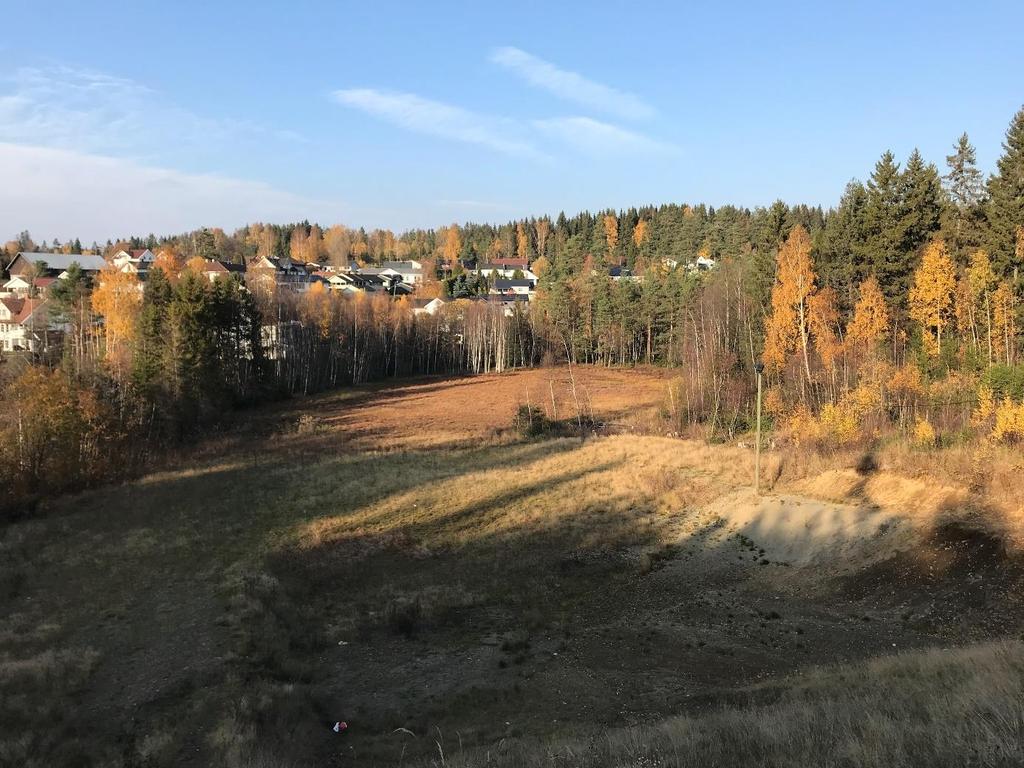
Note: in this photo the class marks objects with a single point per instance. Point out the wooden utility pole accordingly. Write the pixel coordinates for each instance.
(759, 367)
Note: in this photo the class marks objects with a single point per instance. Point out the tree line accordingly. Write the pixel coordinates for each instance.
(897, 307)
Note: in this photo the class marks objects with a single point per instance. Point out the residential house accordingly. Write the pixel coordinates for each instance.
(25, 325)
(390, 278)
(519, 287)
(427, 306)
(410, 271)
(623, 273)
(509, 301)
(136, 261)
(215, 270)
(268, 273)
(54, 264)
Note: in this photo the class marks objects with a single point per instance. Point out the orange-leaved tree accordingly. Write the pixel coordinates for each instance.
(1003, 334)
(787, 327)
(870, 324)
(117, 297)
(931, 295)
(451, 245)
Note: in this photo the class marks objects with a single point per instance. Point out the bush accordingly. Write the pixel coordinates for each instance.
(532, 422)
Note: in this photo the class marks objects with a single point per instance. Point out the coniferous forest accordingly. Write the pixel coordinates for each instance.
(896, 311)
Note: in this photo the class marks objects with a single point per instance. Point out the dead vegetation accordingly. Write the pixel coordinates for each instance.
(445, 585)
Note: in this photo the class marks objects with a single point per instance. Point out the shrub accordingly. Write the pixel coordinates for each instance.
(1009, 421)
(531, 422)
(924, 433)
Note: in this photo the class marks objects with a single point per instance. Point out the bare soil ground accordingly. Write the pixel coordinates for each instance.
(396, 557)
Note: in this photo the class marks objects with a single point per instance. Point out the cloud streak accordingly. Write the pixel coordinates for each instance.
(88, 111)
(572, 86)
(435, 118)
(65, 193)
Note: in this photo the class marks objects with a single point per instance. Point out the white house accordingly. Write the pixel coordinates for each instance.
(138, 260)
(427, 306)
(24, 324)
(700, 264)
(410, 271)
(17, 286)
(517, 287)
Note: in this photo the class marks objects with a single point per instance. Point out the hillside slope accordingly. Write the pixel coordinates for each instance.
(395, 557)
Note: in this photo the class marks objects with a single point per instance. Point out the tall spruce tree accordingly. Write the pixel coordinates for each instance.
(840, 246)
(885, 230)
(923, 203)
(965, 186)
(1005, 208)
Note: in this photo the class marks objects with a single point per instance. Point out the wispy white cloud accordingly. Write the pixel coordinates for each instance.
(595, 137)
(436, 118)
(66, 193)
(89, 111)
(572, 86)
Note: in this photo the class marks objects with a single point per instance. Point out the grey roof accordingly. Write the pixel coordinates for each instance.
(518, 283)
(62, 261)
(403, 266)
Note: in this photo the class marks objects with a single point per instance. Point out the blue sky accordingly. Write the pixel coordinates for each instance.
(121, 118)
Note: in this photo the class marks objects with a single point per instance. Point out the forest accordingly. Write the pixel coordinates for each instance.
(895, 312)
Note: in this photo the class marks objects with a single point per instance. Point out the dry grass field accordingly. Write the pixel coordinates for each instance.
(399, 557)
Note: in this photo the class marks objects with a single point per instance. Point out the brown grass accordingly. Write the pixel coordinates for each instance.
(399, 557)
(933, 708)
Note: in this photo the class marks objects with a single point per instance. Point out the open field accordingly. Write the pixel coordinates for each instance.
(396, 556)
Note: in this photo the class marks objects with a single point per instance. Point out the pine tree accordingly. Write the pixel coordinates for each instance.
(1005, 208)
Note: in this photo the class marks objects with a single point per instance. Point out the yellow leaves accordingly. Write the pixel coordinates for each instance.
(839, 423)
(906, 381)
(802, 426)
(870, 324)
(118, 298)
(843, 421)
(522, 242)
(168, 261)
(924, 433)
(540, 266)
(318, 308)
(986, 407)
(774, 403)
(640, 232)
(1004, 323)
(1009, 425)
(823, 320)
(794, 284)
(931, 296)
(451, 245)
(611, 233)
